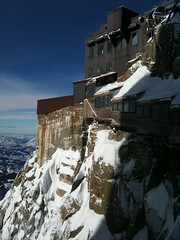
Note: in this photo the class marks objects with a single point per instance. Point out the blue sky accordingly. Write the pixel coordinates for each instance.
(42, 52)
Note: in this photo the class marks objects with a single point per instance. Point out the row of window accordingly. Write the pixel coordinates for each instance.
(155, 112)
(121, 44)
(99, 69)
(100, 49)
(126, 106)
(103, 101)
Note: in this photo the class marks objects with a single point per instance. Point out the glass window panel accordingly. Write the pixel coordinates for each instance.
(114, 107)
(101, 102)
(91, 52)
(108, 67)
(97, 102)
(164, 111)
(174, 117)
(155, 112)
(118, 46)
(120, 107)
(100, 50)
(147, 111)
(132, 106)
(99, 69)
(139, 112)
(126, 106)
(109, 97)
(109, 47)
(123, 44)
(135, 39)
(105, 100)
(90, 71)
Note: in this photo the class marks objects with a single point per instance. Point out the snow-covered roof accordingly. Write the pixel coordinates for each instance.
(153, 88)
(94, 79)
(109, 87)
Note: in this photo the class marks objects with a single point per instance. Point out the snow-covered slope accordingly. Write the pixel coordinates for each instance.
(114, 195)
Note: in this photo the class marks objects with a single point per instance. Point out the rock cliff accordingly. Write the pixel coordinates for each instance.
(62, 128)
(127, 187)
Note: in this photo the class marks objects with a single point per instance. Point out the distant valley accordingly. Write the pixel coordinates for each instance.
(14, 152)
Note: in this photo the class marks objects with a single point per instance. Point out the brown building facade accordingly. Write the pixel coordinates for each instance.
(115, 43)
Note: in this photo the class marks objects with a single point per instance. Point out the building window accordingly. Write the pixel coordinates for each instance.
(160, 112)
(109, 47)
(121, 44)
(114, 107)
(97, 102)
(175, 117)
(90, 71)
(91, 90)
(132, 106)
(109, 97)
(146, 111)
(143, 111)
(120, 106)
(155, 112)
(126, 106)
(108, 67)
(139, 112)
(100, 50)
(99, 69)
(164, 111)
(91, 52)
(134, 39)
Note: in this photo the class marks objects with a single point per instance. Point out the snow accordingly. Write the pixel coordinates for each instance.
(107, 150)
(109, 87)
(153, 88)
(100, 76)
(158, 206)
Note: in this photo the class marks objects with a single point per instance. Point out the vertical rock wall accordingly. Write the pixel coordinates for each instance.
(59, 129)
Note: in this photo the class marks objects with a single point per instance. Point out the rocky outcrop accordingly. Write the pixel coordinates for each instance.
(127, 187)
(161, 53)
(62, 128)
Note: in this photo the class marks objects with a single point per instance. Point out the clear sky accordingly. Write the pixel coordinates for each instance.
(42, 52)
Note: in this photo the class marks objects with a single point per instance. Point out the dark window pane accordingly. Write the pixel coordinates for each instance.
(147, 111)
(105, 100)
(100, 50)
(139, 112)
(99, 69)
(90, 71)
(97, 102)
(164, 111)
(109, 47)
(114, 107)
(132, 106)
(109, 97)
(101, 102)
(135, 39)
(91, 52)
(108, 67)
(126, 106)
(123, 44)
(155, 112)
(174, 117)
(120, 107)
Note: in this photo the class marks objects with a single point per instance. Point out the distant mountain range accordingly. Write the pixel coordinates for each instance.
(14, 151)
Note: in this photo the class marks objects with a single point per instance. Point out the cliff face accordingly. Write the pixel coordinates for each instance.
(62, 128)
(127, 187)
